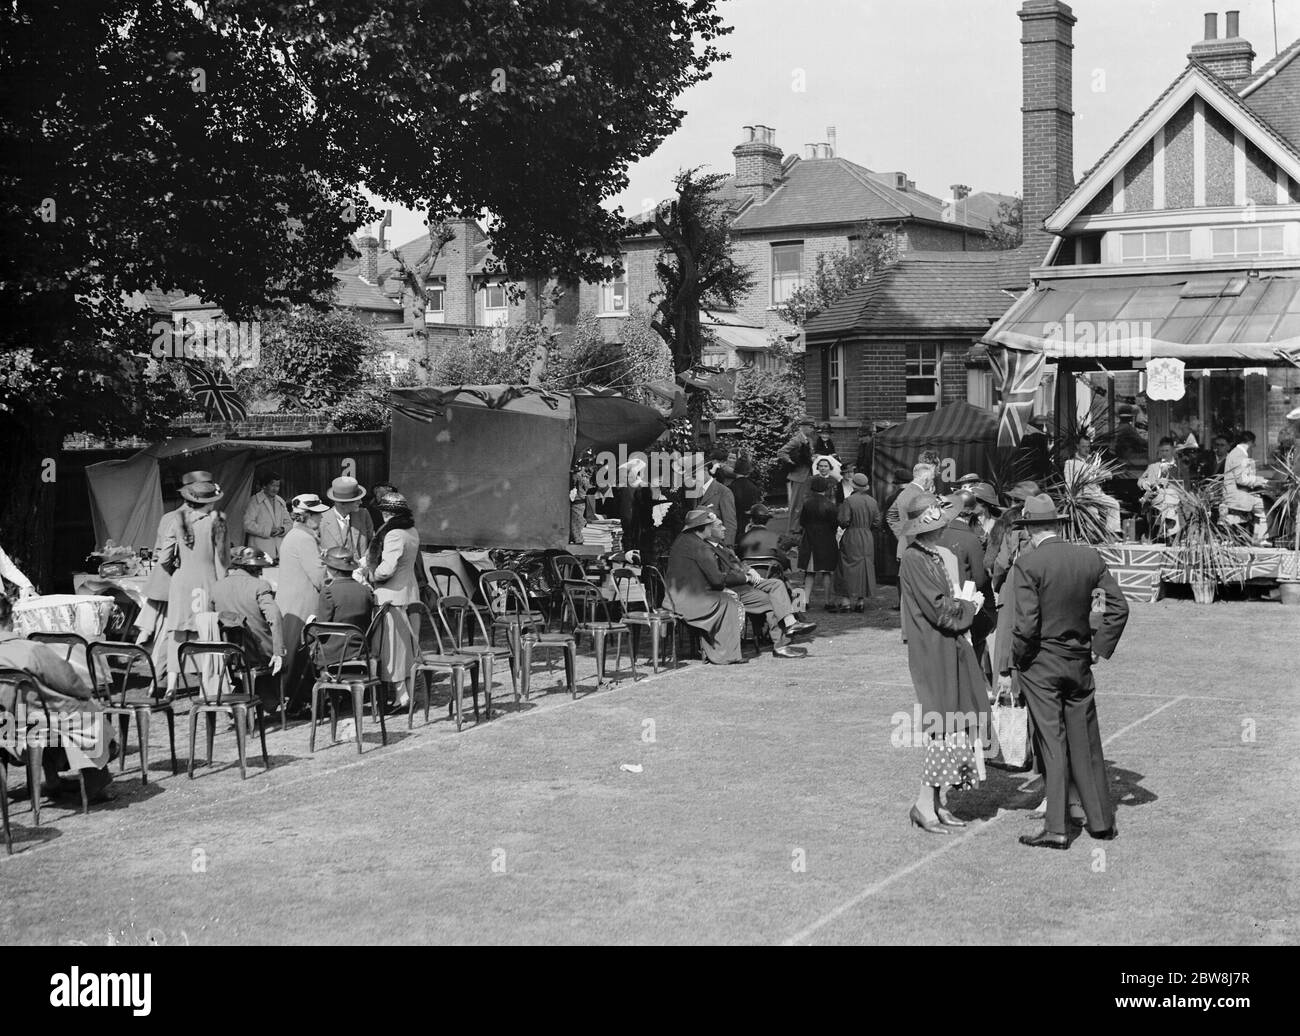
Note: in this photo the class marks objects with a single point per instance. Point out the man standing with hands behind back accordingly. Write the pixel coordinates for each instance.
(1054, 648)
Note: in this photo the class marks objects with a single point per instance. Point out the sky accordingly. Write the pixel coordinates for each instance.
(929, 87)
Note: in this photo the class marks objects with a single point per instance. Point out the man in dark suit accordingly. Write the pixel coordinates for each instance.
(713, 495)
(342, 598)
(922, 484)
(246, 601)
(1054, 647)
(758, 541)
(745, 494)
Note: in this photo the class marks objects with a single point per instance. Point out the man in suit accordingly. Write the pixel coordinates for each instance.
(744, 492)
(346, 524)
(922, 484)
(713, 495)
(758, 596)
(1239, 477)
(244, 599)
(797, 456)
(1054, 647)
(342, 598)
(758, 541)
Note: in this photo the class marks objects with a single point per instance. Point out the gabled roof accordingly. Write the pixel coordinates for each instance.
(953, 292)
(1273, 93)
(1194, 80)
(837, 191)
(413, 250)
(351, 292)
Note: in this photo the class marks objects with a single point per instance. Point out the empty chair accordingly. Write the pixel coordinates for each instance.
(218, 670)
(433, 657)
(125, 678)
(641, 614)
(585, 600)
(487, 653)
(525, 627)
(448, 585)
(340, 658)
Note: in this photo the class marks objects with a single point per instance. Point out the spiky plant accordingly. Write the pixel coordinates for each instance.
(1080, 495)
(1287, 505)
(1206, 553)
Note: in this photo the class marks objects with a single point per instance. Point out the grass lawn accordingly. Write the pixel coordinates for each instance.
(770, 807)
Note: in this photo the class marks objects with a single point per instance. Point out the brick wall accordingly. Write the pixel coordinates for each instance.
(1047, 122)
(952, 379)
(260, 426)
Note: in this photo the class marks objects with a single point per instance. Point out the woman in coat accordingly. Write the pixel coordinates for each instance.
(390, 569)
(301, 577)
(194, 553)
(945, 673)
(819, 554)
(696, 589)
(860, 518)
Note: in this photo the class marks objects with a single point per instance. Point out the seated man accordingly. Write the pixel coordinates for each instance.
(758, 541)
(1159, 495)
(758, 596)
(700, 593)
(1239, 477)
(77, 735)
(244, 599)
(342, 598)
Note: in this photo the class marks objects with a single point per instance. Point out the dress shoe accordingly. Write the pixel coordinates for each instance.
(800, 629)
(1046, 840)
(1109, 835)
(947, 819)
(783, 651)
(933, 827)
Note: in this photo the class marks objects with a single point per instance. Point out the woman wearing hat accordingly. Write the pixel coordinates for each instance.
(819, 554)
(945, 672)
(195, 554)
(859, 516)
(301, 577)
(390, 568)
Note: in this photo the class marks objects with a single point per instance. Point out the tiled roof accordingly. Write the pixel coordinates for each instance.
(835, 190)
(924, 291)
(413, 250)
(1277, 99)
(351, 292)
(154, 300)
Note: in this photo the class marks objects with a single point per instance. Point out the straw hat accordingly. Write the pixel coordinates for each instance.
(1038, 510)
(344, 490)
(206, 492)
(307, 502)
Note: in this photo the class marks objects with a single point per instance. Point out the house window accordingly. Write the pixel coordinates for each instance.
(613, 295)
(922, 372)
(835, 380)
(435, 312)
(1247, 242)
(979, 389)
(495, 305)
(1156, 246)
(787, 270)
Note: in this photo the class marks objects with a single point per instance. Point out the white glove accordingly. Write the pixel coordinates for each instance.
(978, 600)
(26, 592)
(1004, 684)
(277, 663)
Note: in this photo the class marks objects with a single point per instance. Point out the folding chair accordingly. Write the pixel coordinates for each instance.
(433, 657)
(487, 653)
(217, 696)
(340, 658)
(21, 685)
(656, 621)
(586, 604)
(118, 670)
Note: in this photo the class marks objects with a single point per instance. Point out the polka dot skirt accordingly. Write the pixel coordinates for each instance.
(950, 763)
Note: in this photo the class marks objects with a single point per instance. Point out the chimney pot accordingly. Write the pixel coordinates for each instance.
(1211, 25)
(1232, 24)
(810, 150)
(830, 140)
(749, 133)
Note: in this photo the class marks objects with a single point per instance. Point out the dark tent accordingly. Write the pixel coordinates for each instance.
(964, 436)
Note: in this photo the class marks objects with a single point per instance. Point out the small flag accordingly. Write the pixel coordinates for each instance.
(213, 389)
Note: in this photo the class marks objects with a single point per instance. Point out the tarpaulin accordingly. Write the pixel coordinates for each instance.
(606, 421)
(964, 436)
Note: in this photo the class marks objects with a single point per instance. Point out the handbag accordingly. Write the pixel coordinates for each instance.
(1010, 729)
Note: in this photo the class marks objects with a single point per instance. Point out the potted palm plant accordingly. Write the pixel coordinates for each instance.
(1286, 510)
(1205, 556)
(1085, 506)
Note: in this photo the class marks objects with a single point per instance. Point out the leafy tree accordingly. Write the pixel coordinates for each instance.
(696, 266)
(414, 276)
(767, 403)
(839, 271)
(220, 149)
(627, 365)
(1007, 229)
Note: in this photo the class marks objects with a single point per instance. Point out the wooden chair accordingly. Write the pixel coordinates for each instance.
(121, 671)
(591, 614)
(228, 662)
(22, 685)
(433, 657)
(486, 652)
(340, 658)
(655, 620)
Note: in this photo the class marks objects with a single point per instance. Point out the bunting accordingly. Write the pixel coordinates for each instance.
(1016, 375)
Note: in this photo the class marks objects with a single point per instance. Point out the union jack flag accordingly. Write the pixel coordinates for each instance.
(216, 393)
(1016, 374)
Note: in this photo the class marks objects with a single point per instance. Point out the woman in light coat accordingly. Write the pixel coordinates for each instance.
(194, 553)
(390, 568)
(298, 590)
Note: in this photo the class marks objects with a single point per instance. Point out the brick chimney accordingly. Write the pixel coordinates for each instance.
(1047, 114)
(758, 162)
(959, 191)
(369, 258)
(1231, 58)
(459, 254)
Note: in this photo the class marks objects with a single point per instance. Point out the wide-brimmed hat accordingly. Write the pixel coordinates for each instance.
(987, 495)
(861, 481)
(698, 519)
(928, 513)
(968, 479)
(344, 490)
(393, 503)
(206, 492)
(1038, 510)
(305, 503)
(250, 557)
(760, 511)
(190, 477)
(1022, 491)
(340, 559)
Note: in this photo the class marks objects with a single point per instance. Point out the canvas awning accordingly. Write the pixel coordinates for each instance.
(1202, 319)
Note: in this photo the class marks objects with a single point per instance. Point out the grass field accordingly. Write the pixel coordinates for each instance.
(770, 808)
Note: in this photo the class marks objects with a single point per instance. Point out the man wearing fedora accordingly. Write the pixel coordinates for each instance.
(342, 598)
(266, 518)
(797, 455)
(713, 495)
(1054, 648)
(758, 541)
(346, 524)
(244, 599)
